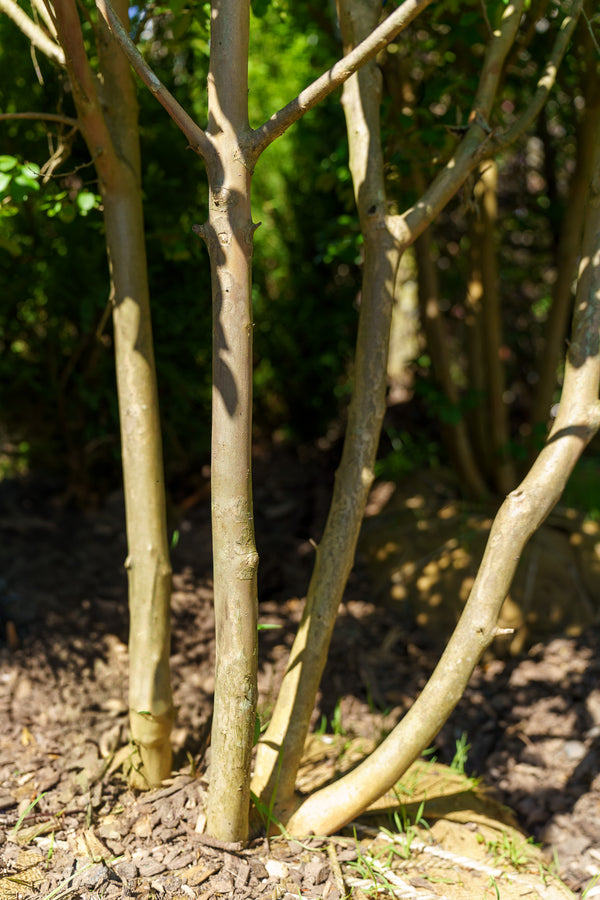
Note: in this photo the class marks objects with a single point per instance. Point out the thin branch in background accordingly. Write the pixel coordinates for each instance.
(39, 8)
(50, 117)
(589, 22)
(51, 15)
(62, 153)
(547, 79)
(84, 11)
(36, 65)
(486, 18)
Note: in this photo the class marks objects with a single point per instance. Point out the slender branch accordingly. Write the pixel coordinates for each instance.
(588, 22)
(336, 76)
(476, 145)
(195, 135)
(481, 142)
(501, 42)
(40, 8)
(50, 117)
(34, 32)
(547, 80)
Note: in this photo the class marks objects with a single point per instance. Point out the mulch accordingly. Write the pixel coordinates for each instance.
(532, 722)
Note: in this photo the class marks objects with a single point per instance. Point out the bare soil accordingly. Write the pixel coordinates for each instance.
(531, 718)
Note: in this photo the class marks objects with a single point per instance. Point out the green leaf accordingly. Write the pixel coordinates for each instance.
(4, 181)
(259, 8)
(86, 201)
(26, 181)
(7, 163)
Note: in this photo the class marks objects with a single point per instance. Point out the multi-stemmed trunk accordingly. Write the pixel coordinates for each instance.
(230, 150)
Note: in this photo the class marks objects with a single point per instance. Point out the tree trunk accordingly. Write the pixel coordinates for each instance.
(519, 517)
(455, 434)
(229, 237)
(280, 749)
(109, 125)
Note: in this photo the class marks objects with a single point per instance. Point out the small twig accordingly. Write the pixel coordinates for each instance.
(486, 18)
(216, 844)
(547, 79)
(336, 869)
(588, 22)
(50, 117)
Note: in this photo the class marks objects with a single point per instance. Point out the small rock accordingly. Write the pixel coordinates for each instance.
(150, 866)
(574, 750)
(126, 869)
(93, 877)
(222, 884)
(277, 869)
(259, 870)
(316, 871)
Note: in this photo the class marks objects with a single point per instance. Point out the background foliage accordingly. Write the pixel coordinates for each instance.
(56, 366)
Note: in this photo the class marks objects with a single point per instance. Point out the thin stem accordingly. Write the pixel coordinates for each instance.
(547, 79)
(49, 117)
(199, 142)
(33, 31)
(481, 142)
(336, 76)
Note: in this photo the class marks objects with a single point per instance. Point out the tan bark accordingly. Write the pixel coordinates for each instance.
(281, 747)
(230, 150)
(36, 34)
(229, 237)
(109, 125)
(569, 244)
(385, 237)
(519, 517)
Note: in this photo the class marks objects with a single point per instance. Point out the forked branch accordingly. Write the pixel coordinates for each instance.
(481, 141)
(337, 75)
(33, 31)
(519, 517)
(547, 79)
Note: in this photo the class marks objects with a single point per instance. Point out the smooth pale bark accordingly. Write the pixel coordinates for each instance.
(280, 749)
(230, 149)
(229, 238)
(38, 37)
(228, 235)
(385, 237)
(519, 517)
(109, 125)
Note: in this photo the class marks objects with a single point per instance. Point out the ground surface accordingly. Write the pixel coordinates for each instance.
(532, 719)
